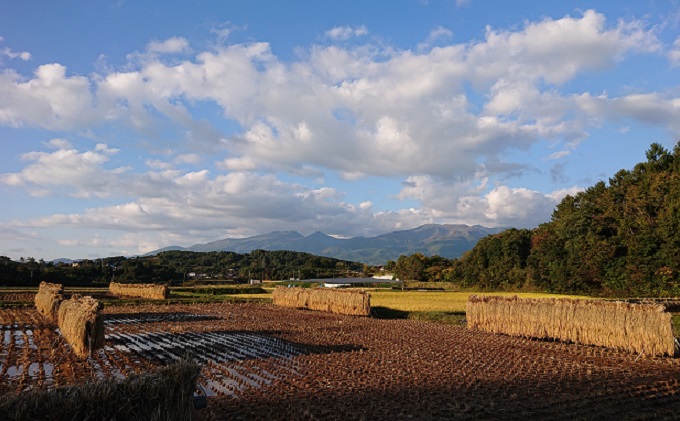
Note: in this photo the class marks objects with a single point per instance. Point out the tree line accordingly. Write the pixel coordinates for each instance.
(177, 267)
(620, 238)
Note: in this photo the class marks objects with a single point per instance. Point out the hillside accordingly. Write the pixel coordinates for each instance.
(448, 241)
(620, 238)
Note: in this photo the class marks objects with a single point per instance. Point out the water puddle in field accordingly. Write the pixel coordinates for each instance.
(48, 368)
(31, 342)
(34, 370)
(15, 372)
(133, 319)
(221, 353)
(19, 338)
(214, 347)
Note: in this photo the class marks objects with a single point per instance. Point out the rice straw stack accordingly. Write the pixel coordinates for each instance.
(47, 300)
(352, 302)
(150, 291)
(82, 324)
(638, 328)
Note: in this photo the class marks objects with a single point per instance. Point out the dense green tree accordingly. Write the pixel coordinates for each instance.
(620, 238)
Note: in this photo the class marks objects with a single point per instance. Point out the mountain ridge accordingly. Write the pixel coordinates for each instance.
(446, 240)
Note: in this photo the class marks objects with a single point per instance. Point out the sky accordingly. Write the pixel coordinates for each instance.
(127, 126)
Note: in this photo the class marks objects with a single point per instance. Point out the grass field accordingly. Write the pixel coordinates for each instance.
(439, 306)
(445, 301)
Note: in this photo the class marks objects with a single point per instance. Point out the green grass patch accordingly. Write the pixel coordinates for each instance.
(446, 317)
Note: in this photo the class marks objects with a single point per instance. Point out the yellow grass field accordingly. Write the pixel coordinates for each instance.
(416, 301)
(439, 301)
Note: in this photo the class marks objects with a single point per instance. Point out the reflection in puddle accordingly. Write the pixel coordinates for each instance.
(34, 370)
(14, 372)
(221, 354)
(213, 347)
(133, 319)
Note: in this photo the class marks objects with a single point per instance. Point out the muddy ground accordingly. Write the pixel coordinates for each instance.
(266, 362)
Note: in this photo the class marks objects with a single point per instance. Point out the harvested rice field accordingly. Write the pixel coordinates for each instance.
(266, 362)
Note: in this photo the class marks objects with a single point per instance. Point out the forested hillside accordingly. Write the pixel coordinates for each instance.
(617, 238)
(177, 266)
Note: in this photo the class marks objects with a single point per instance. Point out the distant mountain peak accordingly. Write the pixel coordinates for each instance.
(447, 240)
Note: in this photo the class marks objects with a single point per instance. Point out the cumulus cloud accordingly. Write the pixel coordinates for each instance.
(80, 173)
(444, 118)
(51, 99)
(465, 202)
(335, 108)
(518, 207)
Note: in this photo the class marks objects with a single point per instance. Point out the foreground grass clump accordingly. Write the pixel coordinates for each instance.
(164, 395)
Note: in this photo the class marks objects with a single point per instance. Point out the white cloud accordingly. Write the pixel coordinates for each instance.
(50, 100)
(438, 34)
(556, 50)
(559, 154)
(7, 52)
(23, 55)
(169, 46)
(518, 207)
(189, 158)
(80, 173)
(224, 30)
(362, 110)
(58, 143)
(343, 33)
(674, 53)
(462, 203)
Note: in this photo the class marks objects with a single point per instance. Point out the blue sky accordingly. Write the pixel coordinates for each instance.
(129, 126)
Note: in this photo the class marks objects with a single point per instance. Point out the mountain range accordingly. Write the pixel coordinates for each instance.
(449, 241)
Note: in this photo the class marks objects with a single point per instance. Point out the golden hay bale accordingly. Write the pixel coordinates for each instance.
(150, 291)
(639, 328)
(353, 302)
(47, 300)
(82, 324)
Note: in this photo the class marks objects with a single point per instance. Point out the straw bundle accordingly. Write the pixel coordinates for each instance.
(166, 394)
(82, 324)
(47, 300)
(353, 302)
(150, 291)
(639, 328)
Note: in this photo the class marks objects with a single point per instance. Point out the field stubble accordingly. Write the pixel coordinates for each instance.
(266, 362)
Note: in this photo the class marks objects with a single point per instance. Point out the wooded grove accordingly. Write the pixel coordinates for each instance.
(620, 238)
